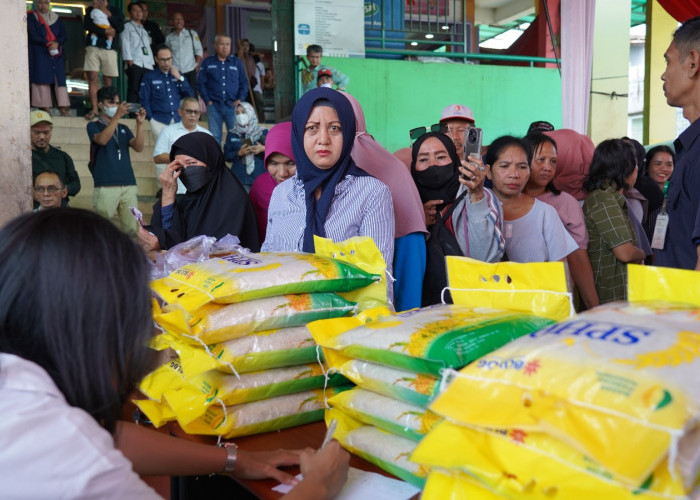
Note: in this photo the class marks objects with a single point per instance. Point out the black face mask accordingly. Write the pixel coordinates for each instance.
(437, 183)
(196, 177)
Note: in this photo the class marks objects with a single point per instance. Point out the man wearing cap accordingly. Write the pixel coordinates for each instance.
(46, 158)
(457, 119)
(309, 75)
(325, 78)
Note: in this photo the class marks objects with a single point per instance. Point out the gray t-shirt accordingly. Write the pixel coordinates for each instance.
(538, 236)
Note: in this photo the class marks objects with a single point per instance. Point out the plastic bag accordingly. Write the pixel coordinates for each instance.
(455, 485)
(189, 398)
(537, 288)
(214, 323)
(617, 378)
(247, 276)
(525, 465)
(413, 388)
(649, 284)
(362, 252)
(263, 416)
(388, 452)
(424, 340)
(391, 415)
(257, 351)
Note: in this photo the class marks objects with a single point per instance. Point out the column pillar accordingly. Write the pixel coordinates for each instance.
(659, 117)
(610, 71)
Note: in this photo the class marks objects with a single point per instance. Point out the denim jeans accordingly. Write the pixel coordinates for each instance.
(217, 114)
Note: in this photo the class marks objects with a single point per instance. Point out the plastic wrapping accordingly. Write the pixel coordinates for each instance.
(424, 340)
(618, 383)
(413, 388)
(257, 351)
(214, 323)
(247, 276)
(391, 415)
(533, 466)
(388, 452)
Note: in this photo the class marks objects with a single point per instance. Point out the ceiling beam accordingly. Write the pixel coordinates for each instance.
(508, 12)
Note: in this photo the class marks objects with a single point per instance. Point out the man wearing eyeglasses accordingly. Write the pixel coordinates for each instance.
(161, 91)
(49, 191)
(46, 158)
(189, 113)
(456, 119)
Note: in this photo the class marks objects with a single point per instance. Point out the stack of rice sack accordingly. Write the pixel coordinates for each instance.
(246, 361)
(604, 405)
(396, 361)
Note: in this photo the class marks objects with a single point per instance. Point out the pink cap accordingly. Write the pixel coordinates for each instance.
(457, 111)
(279, 140)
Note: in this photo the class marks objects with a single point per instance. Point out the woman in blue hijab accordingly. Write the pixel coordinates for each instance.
(329, 196)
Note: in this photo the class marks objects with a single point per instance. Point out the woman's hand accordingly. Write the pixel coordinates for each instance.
(245, 150)
(325, 472)
(472, 174)
(53, 46)
(430, 210)
(264, 464)
(257, 148)
(148, 241)
(168, 179)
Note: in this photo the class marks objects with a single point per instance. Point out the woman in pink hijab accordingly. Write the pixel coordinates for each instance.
(574, 155)
(409, 243)
(279, 161)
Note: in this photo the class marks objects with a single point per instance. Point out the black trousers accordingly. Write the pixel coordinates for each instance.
(134, 76)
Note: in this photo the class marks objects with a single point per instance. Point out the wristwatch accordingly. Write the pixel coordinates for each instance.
(182, 78)
(231, 456)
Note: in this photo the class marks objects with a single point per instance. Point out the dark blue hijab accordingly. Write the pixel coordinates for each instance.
(314, 177)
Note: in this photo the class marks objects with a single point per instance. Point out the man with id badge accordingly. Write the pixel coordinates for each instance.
(677, 232)
(136, 51)
(110, 162)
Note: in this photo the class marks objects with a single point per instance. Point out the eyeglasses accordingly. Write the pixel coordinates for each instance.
(49, 189)
(457, 130)
(415, 133)
(192, 111)
(165, 59)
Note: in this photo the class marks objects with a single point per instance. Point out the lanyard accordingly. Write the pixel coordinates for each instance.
(663, 206)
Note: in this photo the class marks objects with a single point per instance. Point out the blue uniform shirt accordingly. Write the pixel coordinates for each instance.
(161, 94)
(222, 81)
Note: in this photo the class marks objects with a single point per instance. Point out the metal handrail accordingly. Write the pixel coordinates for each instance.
(463, 55)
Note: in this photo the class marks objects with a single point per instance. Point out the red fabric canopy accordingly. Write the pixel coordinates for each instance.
(681, 10)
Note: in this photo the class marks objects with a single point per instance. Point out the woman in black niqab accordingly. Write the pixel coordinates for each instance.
(215, 203)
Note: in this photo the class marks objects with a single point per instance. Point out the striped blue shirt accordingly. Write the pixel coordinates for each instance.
(361, 206)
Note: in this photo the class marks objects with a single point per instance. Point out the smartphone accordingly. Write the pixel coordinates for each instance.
(472, 142)
(134, 107)
(247, 142)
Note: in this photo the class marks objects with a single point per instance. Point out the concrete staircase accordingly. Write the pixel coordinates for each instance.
(70, 134)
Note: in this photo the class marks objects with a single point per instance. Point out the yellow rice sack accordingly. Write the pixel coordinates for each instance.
(455, 485)
(538, 288)
(266, 415)
(424, 340)
(189, 398)
(611, 380)
(388, 452)
(533, 466)
(362, 252)
(388, 414)
(248, 276)
(663, 284)
(254, 352)
(413, 388)
(213, 322)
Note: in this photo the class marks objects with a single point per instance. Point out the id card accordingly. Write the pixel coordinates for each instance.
(657, 241)
(144, 50)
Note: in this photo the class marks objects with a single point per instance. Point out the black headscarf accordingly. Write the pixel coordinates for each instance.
(220, 207)
(314, 177)
(440, 183)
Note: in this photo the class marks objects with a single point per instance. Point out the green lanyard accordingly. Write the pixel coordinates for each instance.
(663, 207)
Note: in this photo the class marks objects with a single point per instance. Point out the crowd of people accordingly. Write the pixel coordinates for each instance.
(548, 196)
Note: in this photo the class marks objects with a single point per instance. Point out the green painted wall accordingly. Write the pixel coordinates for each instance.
(397, 96)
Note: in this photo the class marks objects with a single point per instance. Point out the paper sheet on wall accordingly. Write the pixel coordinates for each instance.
(336, 25)
(362, 485)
